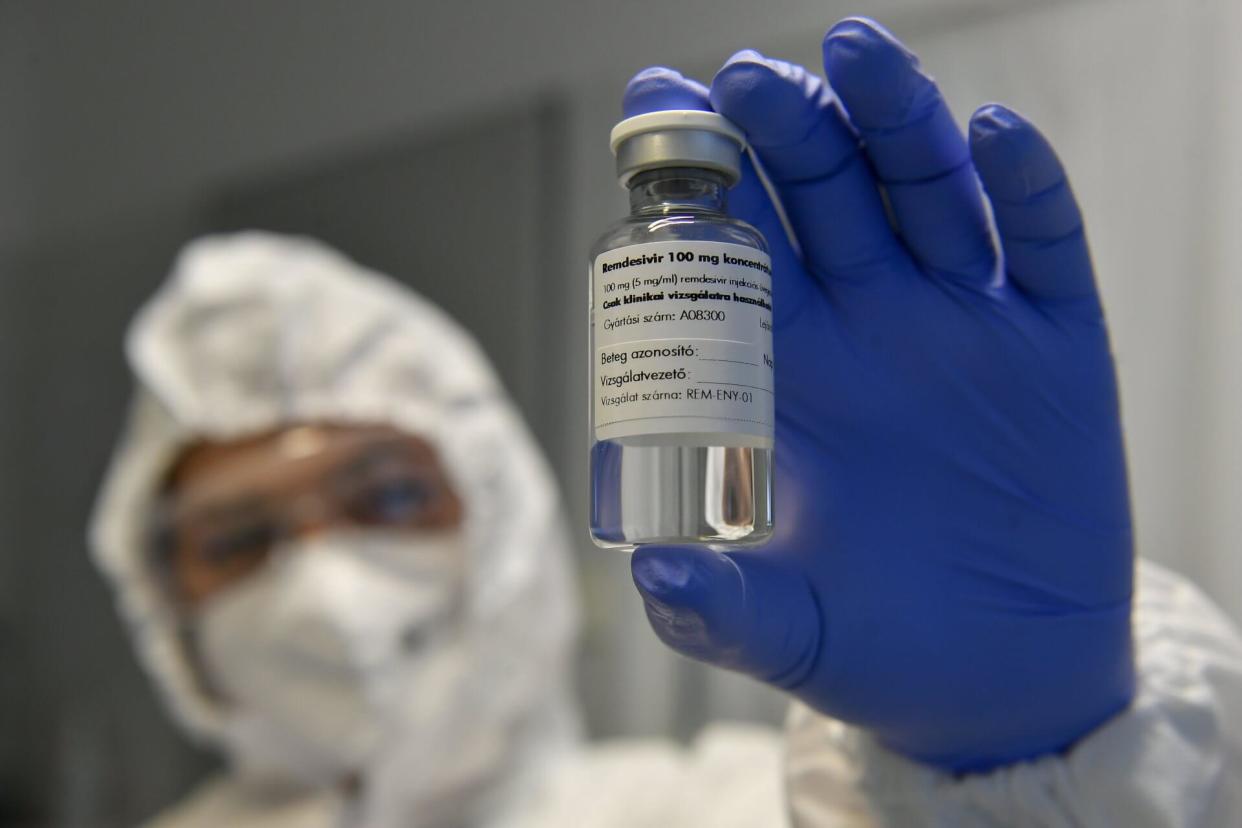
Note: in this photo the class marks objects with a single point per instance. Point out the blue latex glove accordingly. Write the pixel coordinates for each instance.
(953, 565)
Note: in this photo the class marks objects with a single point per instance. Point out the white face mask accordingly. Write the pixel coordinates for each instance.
(334, 647)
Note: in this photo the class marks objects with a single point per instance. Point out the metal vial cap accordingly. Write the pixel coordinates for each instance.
(677, 138)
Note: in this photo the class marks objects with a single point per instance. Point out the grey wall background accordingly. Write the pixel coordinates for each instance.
(128, 127)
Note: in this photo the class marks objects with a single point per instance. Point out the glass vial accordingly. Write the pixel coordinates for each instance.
(682, 402)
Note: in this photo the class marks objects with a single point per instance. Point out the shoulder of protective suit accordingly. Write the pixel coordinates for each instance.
(1173, 758)
(728, 778)
(225, 800)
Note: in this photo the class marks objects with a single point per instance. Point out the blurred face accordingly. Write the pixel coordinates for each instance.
(230, 504)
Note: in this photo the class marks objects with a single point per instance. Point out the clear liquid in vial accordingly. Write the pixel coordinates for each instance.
(716, 495)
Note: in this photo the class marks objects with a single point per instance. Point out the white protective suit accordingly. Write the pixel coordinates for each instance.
(256, 331)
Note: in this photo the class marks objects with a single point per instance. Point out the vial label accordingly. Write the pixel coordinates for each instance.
(683, 344)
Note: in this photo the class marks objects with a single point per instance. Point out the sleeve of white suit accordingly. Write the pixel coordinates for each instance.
(1173, 758)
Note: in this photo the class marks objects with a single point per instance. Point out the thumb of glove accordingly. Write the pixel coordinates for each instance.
(740, 611)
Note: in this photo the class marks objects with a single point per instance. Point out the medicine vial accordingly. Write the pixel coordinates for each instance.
(682, 391)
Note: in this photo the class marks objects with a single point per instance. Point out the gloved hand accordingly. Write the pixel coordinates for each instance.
(952, 568)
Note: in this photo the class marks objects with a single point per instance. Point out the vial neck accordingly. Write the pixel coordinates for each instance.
(677, 190)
